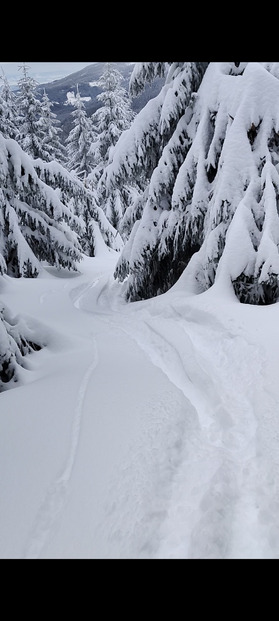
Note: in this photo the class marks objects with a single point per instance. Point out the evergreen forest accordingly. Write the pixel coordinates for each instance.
(189, 184)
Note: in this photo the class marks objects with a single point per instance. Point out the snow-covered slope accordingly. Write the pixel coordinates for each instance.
(147, 430)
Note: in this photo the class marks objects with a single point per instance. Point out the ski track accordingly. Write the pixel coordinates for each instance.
(200, 520)
(56, 496)
(207, 509)
(212, 493)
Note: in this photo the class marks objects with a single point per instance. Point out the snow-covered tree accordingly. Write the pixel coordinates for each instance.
(31, 135)
(150, 154)
(151, 131)
(79, 140)
(35, 225)
(112, 118)
(109, 122)
(145, 72)
(16, 340)
(53, 148)
(90, 222)
(241, 226)
(8, 110)
(212, 201)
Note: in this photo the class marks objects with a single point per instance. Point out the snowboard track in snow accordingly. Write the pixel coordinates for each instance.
(56, 496)
(223, 453)
(206, 504)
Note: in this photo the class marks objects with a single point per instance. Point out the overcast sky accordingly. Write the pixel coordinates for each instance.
(42, 72)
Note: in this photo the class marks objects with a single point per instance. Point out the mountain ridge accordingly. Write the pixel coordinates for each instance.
(57, 91)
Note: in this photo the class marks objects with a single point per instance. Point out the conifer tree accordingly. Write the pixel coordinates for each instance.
(241, 232)
(79, 141)
(145, 72)
(35, 225)
(53, 148)
(150, 154)
(211, 205)
(90, 221)
(31, 135)
(109, 122)
(16, 341)
(8, 110)
(112, 118)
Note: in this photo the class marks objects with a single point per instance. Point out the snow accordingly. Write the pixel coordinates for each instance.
(71, 98)
(143, 430)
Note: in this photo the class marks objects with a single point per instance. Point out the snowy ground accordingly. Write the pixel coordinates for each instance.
(148, 430)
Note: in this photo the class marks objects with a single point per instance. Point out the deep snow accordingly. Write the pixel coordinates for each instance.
(144, 430)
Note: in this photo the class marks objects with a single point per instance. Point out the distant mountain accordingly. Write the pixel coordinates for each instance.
(57, 91)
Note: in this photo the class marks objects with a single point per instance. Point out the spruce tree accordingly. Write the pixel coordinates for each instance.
(53, 148)
(241, 236)
(16, 341)
(79, 141)
(150, 154)
(211, 204)
(8, 110)
(112, 118)
(145, 72)
(89, 221)
(31, 134)
(109, 122)
(35, 225)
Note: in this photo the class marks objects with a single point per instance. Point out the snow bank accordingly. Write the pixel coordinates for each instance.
(177, 459)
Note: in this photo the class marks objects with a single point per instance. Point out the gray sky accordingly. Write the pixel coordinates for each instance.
(42, 72)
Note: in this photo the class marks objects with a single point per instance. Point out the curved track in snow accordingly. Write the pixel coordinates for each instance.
(209, 364)
(159, 438)
(56, 496)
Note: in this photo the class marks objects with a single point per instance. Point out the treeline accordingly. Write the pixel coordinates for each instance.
(190, 185)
